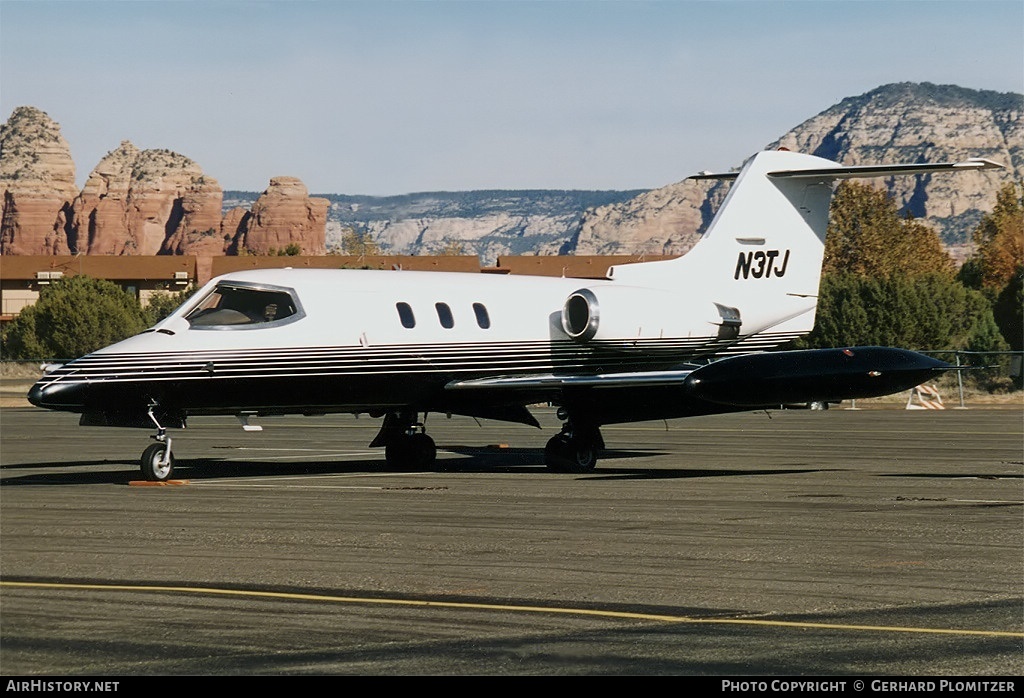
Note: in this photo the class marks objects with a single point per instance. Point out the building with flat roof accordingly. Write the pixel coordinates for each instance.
(23, 276)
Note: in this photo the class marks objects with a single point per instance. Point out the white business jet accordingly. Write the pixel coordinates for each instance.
(654, 340)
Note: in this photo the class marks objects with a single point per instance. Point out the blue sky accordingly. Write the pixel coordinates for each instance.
(394, 96)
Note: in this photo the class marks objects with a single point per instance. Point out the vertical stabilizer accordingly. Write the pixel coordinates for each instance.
(761, 256)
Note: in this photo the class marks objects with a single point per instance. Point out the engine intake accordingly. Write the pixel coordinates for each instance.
(581, 315)
(634, 314)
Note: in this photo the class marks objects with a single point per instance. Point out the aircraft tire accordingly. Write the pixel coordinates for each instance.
(396, 453)
(556, 453)
(423, 451)
(582, 456)
(565, 454)
(416, 452)
(152, 469)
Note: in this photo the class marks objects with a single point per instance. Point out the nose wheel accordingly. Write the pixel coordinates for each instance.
(157, 461)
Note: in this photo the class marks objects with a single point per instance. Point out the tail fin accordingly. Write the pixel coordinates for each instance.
(761, 257)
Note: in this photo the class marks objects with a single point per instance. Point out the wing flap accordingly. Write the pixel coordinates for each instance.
(552, 380)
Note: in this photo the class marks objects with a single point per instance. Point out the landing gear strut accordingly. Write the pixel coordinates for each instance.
(406, 443)
(574, 449)
(157, 460)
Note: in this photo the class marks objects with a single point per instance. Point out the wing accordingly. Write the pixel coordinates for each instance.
(551, 381)
(748, 381)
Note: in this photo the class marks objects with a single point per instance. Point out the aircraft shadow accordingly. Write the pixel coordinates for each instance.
(474, 459)
(60, 464)
(962, 476)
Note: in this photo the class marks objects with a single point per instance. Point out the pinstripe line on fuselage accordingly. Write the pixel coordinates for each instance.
(506, 358)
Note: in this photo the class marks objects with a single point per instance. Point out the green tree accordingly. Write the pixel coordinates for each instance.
(927, 313)
(867, 236)
(164, 303)
(1009, 311)
(73, 316)
(995, 267)
(999, 241)
(292, 249)
(888, 281)
(359, 243)
(841, 319)
(20, 339)
(452, 248)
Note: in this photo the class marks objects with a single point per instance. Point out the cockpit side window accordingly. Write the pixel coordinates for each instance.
(239, 305)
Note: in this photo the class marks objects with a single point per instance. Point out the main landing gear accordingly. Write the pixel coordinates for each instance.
(157, 460)
(574, 449)
(406, 443)
(407, 446)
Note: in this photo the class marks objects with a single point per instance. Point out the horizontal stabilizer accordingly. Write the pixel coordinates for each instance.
(853, 171)
(886, 170)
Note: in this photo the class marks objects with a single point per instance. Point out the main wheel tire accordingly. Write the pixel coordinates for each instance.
(582, 456)
(422, 451)
(416, 452)
(396, 453)
(153, 467)
(568, 454)
(556, 453)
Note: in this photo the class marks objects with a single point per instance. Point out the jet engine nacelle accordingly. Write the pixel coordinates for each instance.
(642, 313)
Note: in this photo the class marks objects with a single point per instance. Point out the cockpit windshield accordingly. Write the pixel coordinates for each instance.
(234, 304)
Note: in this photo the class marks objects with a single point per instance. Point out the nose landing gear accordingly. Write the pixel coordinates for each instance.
(157, 460)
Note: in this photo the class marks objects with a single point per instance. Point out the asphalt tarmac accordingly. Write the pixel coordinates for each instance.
(851, 543)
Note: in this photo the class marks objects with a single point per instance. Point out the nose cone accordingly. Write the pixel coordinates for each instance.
(68, 397)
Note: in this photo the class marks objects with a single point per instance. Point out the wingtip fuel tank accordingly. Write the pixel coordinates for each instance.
(755, 380)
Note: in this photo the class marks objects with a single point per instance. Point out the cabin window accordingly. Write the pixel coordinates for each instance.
(482, 318)
(405, 315)
(237, 304)
(444, 314)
